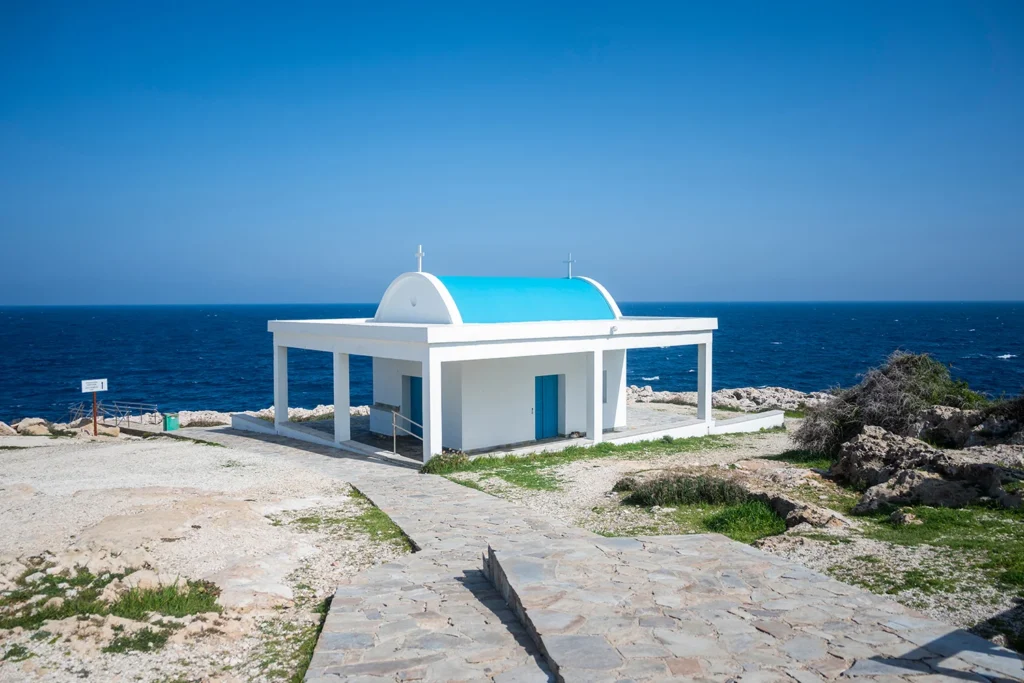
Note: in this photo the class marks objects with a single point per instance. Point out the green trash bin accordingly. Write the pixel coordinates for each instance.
(170, 422)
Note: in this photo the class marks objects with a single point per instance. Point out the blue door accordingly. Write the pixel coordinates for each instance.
(546, 406)
(415, 405)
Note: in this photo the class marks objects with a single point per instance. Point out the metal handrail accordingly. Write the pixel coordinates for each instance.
(118, 411)
(395, 428)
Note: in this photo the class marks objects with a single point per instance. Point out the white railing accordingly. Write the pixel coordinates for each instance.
(395, 428)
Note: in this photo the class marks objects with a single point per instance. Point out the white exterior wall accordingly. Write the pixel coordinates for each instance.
(389, 388)
(498, 398)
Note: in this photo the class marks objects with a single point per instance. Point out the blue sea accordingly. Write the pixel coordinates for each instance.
(219, 357)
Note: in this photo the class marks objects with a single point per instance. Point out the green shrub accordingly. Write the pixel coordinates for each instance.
(686, 490)
(143, 640)
(889, 396)
(625, 484)
(446, 463)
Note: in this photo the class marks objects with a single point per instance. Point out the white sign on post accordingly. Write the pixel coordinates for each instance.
(89, 385)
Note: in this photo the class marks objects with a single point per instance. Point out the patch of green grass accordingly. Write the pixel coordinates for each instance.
(374, 523)
(171, 601)
(801, 458)
(746, 522)
(995, 536)
(796, 414)
(13, 448)
(467, 483)
(684, 490)
(143, 640)
(15, 609)
(528, 471)
(17, 653)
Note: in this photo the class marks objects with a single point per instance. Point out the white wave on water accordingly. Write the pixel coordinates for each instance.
(650, 379)
(776, 342)
(691, 370)
(1007, 356)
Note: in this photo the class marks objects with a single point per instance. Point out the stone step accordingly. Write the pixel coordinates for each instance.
(419, 619)
(705, 607)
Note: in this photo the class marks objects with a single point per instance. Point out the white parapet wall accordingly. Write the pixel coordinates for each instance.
(248, 423)
(749, 422)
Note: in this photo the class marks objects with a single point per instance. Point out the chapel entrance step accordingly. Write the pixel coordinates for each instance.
(705, 607)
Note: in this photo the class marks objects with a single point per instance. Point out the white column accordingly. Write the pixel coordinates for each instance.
(280, 384)
(342, 421)
(704, 381)
(595, 406)
(431, 407)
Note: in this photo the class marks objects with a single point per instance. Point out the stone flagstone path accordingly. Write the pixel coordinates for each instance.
(587, 608)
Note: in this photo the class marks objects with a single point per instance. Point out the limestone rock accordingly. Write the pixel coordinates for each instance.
(33, 426)
(796, 512)
(203, 418)
(917, 487)
(748, 399)
(875, 455)
(903, 470)
(946, 426)
(101, 430)
(994, 429)
(147, 579)
(7, 430)
(904, 518)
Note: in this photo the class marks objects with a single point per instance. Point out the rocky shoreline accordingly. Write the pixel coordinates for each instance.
(745, 399)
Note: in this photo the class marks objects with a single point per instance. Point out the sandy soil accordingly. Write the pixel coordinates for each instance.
(193, 511)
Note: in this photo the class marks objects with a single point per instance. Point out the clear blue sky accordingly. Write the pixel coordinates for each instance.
(291, 152)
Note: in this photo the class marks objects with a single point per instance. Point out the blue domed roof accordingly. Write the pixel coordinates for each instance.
(526, 299)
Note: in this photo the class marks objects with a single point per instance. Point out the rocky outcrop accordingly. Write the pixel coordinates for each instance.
(7, 430)
(956, 428)
(918, 487)
(797, 512)
(209, 418)
(901, 470)
(33, 426)
(747, 399)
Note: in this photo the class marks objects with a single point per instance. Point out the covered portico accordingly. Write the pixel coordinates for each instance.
(473, 376)
(482, 364)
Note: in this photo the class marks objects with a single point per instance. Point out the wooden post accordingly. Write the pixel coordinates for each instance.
(95, 431)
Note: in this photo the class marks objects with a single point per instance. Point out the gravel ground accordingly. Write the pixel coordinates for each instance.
(199, 512)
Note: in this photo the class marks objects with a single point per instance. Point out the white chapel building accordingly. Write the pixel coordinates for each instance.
(481, 363)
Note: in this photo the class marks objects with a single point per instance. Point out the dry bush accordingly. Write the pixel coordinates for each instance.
(889, 396)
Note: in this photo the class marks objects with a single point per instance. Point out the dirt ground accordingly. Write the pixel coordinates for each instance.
(270, 535)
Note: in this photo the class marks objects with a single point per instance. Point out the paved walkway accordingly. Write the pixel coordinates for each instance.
(653, 609)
